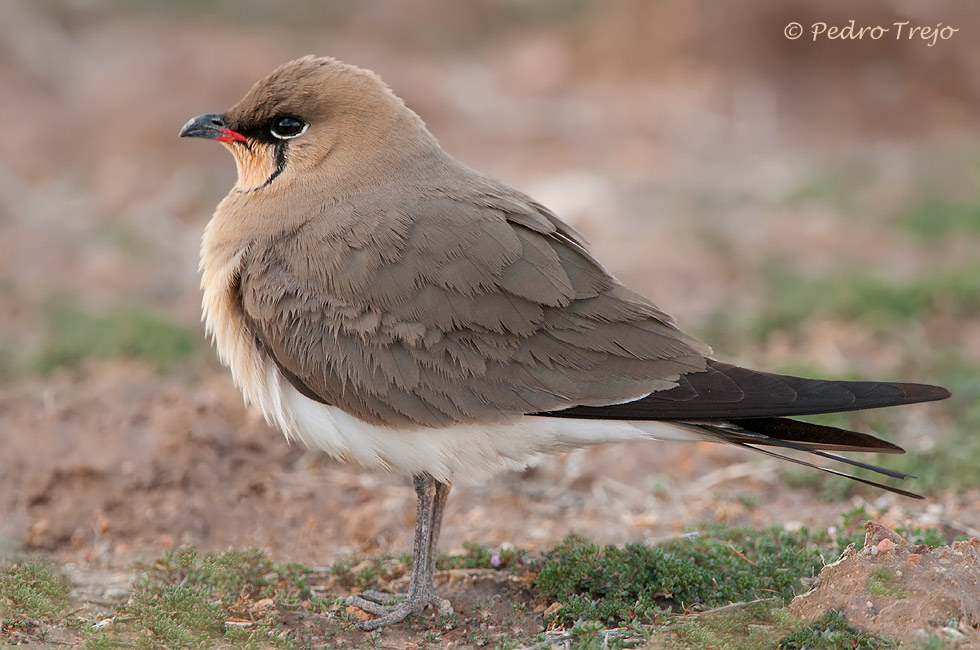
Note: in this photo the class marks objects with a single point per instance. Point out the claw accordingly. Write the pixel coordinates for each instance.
(391, 614)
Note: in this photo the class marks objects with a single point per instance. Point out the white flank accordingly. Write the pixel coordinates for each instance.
(464, 452)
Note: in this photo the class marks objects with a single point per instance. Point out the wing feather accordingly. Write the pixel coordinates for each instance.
(454, 308)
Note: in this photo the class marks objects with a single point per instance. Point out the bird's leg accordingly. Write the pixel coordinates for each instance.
(431, 501)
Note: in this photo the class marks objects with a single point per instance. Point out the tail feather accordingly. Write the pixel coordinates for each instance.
(809, 438)
(835, 472)
(813, 436)
(748, 408)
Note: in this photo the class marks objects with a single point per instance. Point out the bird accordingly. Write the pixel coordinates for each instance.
(382, 302)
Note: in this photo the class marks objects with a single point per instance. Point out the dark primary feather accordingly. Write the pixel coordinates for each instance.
(725, 391)
(742, 406)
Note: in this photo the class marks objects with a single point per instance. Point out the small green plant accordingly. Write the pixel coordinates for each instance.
(715, 567)
(479, 557)
(832, 632)
(31, 588)
(448, 621)
(185, 600)
(749, 627)
(587, 635)
(758, 627)
(102, 642)
(174, 616)
(938, 643)
(931, 537)
(855, 518)
(378, 568)
(227, 572)
(884, 582)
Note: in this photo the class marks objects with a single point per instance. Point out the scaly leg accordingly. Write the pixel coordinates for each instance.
(431, 501)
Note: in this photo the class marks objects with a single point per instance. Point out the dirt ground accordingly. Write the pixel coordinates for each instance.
(674, 137)
(903, 591)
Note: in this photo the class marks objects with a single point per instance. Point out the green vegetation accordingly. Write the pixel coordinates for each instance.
(935, 218)
(76, 335)
(753, 626)
(33, 589)
(884, 582)
(832, 633)
(480, 557)
(129, 332)
(886, 305)
(368, 572)
(715, 588)
(186, 600)
(175, 616)
(758, 627)
(879, 302)
(758, 570)
(243, 599)
(714, 567)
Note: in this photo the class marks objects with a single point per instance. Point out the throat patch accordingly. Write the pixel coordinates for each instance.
(258, 163)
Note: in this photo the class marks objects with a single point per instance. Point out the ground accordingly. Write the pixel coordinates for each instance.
(902, 590)
(801, 206)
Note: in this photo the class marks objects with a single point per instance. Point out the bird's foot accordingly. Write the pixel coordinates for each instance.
(388, 613)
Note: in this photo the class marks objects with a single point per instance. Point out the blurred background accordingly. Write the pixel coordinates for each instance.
(802, 206)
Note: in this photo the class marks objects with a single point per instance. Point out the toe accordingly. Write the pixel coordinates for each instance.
(394, 615)
(375, 603)
(382, 598)
(369, 606)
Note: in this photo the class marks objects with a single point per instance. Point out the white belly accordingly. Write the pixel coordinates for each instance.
(466, 452)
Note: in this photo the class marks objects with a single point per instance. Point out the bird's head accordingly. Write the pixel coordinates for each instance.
(313, 120)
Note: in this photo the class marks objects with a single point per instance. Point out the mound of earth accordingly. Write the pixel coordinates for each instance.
(901, 591)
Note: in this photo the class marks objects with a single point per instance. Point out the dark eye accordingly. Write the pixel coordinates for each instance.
(287, 127)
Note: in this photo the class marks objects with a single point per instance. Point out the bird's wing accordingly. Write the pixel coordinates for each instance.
(480, 305)
(450, 307)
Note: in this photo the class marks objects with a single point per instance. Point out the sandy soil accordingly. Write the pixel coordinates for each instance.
(907, 592)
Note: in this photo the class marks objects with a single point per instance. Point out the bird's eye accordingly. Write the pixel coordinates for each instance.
(287, 127)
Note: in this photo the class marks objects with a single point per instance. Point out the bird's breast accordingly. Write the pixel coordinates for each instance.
(224, 321)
